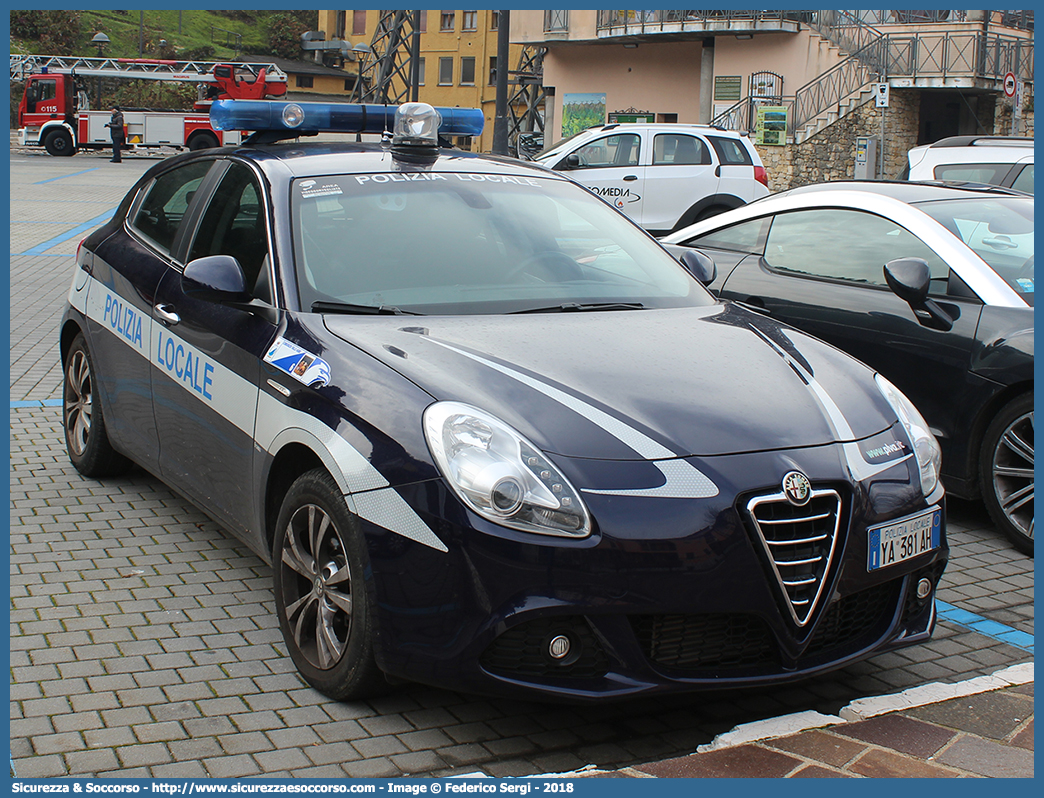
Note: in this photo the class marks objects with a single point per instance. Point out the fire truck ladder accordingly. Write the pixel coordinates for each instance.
(527, 102)
(386, 78)
(146, 69)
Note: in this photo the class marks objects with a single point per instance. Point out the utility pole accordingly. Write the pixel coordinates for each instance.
(500, 121)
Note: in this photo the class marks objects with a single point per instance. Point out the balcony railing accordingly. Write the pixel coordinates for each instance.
(655, 21)
(669, 20)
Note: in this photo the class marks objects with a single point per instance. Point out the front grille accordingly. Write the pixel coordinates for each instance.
(522, 650)
(799, 543)
(701, 642)
(854, 616)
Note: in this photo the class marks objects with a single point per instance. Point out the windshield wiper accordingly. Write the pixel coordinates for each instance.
(346, 307)
(576, 307)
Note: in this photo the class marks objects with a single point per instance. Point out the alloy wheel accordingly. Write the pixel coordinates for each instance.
(78, 401)
(317, 586)
(1013, 473)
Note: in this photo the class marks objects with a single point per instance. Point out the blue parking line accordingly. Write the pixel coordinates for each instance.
(62, 177)
(40, 249)
(36, 403)
(984, 626)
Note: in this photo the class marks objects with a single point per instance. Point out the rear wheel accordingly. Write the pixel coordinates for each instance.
(1006, 471)
(321, 601)
(85, 437)
(59, 142)
(203, 141)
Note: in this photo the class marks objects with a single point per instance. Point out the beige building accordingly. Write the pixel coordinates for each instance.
(945, 71)
(458, 55)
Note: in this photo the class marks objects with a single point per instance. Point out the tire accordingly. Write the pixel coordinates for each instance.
(59, 142)
(325, 614)
(86, 439)
(203, 141)
(1006, 471)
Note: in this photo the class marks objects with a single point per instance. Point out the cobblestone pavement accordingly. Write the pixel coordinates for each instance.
(144, 642)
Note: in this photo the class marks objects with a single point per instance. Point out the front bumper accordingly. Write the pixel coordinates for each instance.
(668, 595)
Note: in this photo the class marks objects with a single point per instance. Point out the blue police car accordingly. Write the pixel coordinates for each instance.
(488, 432)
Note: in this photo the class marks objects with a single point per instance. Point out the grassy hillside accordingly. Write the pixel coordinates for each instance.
(198, 31)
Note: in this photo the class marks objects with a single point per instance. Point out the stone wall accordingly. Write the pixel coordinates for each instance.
(830, 154)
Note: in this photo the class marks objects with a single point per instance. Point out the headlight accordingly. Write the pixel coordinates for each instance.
(500, 475)
(926, 448)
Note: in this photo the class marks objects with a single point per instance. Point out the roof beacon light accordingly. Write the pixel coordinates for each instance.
(414, 123)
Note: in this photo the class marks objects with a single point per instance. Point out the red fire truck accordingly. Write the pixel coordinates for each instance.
(55, 109)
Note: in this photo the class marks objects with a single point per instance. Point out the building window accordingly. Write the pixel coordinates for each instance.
(464, 142)
(358, 23)
(446, 21)
(420, 71)
(494, 20)
(339, 25)
(492, 70)
(467, 71)
(303, 81)
(445, 71)
(349, 84)
(469, 20)
(556, 21)
(423, 21)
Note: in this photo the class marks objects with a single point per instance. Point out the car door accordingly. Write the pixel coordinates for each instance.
(208, 354)
(128, 267)
(680, 174)
(611, 168)
(821, 270)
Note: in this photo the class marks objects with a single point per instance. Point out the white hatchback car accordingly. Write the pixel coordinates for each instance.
(664, 176)
(996, 160)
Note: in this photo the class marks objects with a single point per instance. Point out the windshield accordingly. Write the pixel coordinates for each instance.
(464, 244)
(998, 229)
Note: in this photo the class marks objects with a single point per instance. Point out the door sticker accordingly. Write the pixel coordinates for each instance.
(301, 365)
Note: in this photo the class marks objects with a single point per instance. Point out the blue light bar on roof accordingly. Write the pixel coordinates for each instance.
(330, 117)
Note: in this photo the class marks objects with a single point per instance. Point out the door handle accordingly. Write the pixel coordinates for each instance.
(630, 177)
(166, 314)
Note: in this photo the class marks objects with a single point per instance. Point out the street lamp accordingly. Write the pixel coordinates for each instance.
(361, 51)
(100, 41)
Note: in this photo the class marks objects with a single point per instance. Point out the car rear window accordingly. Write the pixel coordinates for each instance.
(730, 152)
(991, 173)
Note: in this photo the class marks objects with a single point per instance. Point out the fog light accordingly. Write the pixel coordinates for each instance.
(924, 588)
(559, 647)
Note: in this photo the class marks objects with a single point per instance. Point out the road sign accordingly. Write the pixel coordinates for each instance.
(1009, 84)
(881, 95)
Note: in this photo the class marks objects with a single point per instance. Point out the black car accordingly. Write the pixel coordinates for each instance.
(949, 320)
(444, 394)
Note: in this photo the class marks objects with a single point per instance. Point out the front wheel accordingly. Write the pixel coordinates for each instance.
(321, 601)
(85, 437)
(59, 142)
(1006, 472)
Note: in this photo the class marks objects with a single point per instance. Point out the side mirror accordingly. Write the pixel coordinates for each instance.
(215, 278)
(909, 279)
(572, 161)
(700, 265)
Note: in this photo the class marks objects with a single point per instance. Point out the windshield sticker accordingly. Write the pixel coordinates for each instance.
(1026, 284)
(407, 177)
(310, 188)
(303, 366)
